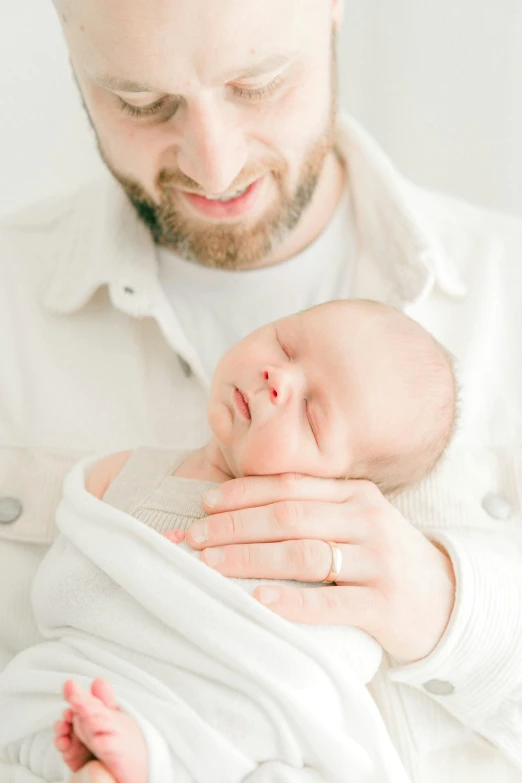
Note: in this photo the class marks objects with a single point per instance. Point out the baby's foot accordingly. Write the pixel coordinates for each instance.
(94, 727)
(73, 751)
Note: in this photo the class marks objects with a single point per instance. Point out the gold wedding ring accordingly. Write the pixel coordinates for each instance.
(337, 563)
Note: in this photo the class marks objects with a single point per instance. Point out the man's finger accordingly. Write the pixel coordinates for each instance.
(287, 520)
(303, 560)
(93, 772)
(262, 490)
(350, 606)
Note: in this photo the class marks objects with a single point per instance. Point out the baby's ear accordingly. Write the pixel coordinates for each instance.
(104, 472)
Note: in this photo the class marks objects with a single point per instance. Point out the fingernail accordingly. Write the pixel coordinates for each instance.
(268, 595)
(212, 498)
(198, 532)
(176, 536)
(213, 557)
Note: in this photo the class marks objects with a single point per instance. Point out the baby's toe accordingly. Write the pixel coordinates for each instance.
(84, 704)
(94, 723)
(74, 694)
(62, 743)
(76, 755)
(103, 690)
(61, 728)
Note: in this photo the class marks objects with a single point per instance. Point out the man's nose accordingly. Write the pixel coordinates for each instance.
(284, 384)
(213, 149)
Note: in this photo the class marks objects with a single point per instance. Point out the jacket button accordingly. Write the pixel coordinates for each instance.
(10, 510)
(496, 506)
(439, 687)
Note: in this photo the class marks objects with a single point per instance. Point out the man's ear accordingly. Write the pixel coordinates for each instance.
(337, 13)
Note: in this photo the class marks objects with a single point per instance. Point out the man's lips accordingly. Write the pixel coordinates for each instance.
(241, 405)
(223, 210)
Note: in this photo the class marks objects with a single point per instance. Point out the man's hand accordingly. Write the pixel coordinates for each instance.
(93, 772)
(394, 583)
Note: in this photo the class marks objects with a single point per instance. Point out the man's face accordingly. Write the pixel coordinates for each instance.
(195, 101)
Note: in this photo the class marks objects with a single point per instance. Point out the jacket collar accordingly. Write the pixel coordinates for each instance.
(392, 223)
(107, 244)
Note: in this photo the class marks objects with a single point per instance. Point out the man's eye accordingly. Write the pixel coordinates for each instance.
(258, 93)
(145, 111)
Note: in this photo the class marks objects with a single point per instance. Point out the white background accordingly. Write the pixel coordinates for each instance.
(438, 82)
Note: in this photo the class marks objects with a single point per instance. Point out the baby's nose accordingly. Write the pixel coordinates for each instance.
(279, 385)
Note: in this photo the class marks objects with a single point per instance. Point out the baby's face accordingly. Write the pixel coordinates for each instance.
(305, 394)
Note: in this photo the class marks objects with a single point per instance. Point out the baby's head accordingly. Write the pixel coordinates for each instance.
(348, 389)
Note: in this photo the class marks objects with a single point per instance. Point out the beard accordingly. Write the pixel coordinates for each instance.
(227, 245)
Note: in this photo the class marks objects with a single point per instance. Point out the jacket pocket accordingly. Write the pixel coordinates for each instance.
(31, 482)
(478, 488)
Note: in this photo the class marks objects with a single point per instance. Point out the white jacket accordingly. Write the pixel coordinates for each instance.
(93, 359)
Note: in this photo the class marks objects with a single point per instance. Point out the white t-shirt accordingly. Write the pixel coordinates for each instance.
(216, 308)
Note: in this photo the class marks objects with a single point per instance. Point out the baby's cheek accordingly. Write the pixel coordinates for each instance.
(219, 420)
(267, 455)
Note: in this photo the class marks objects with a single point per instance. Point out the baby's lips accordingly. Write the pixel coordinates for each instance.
(176, 536)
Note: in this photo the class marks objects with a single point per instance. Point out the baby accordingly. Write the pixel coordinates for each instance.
(349, 389)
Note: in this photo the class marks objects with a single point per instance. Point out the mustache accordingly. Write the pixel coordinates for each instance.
(169, 179)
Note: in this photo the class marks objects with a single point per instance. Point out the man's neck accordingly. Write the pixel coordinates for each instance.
(317, 215)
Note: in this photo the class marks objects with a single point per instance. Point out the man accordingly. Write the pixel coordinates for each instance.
(238, 195)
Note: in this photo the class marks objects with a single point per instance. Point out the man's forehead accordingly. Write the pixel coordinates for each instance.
(168, 38)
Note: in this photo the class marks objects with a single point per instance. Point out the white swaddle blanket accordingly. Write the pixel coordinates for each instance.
(224, 690)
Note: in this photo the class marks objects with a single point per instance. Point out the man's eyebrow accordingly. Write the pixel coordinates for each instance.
(271, 63)
(116, 84)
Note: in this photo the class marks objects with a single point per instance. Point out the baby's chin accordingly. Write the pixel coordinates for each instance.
(232, 459)
(256, 456)
(239, 464)
(257, 465)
